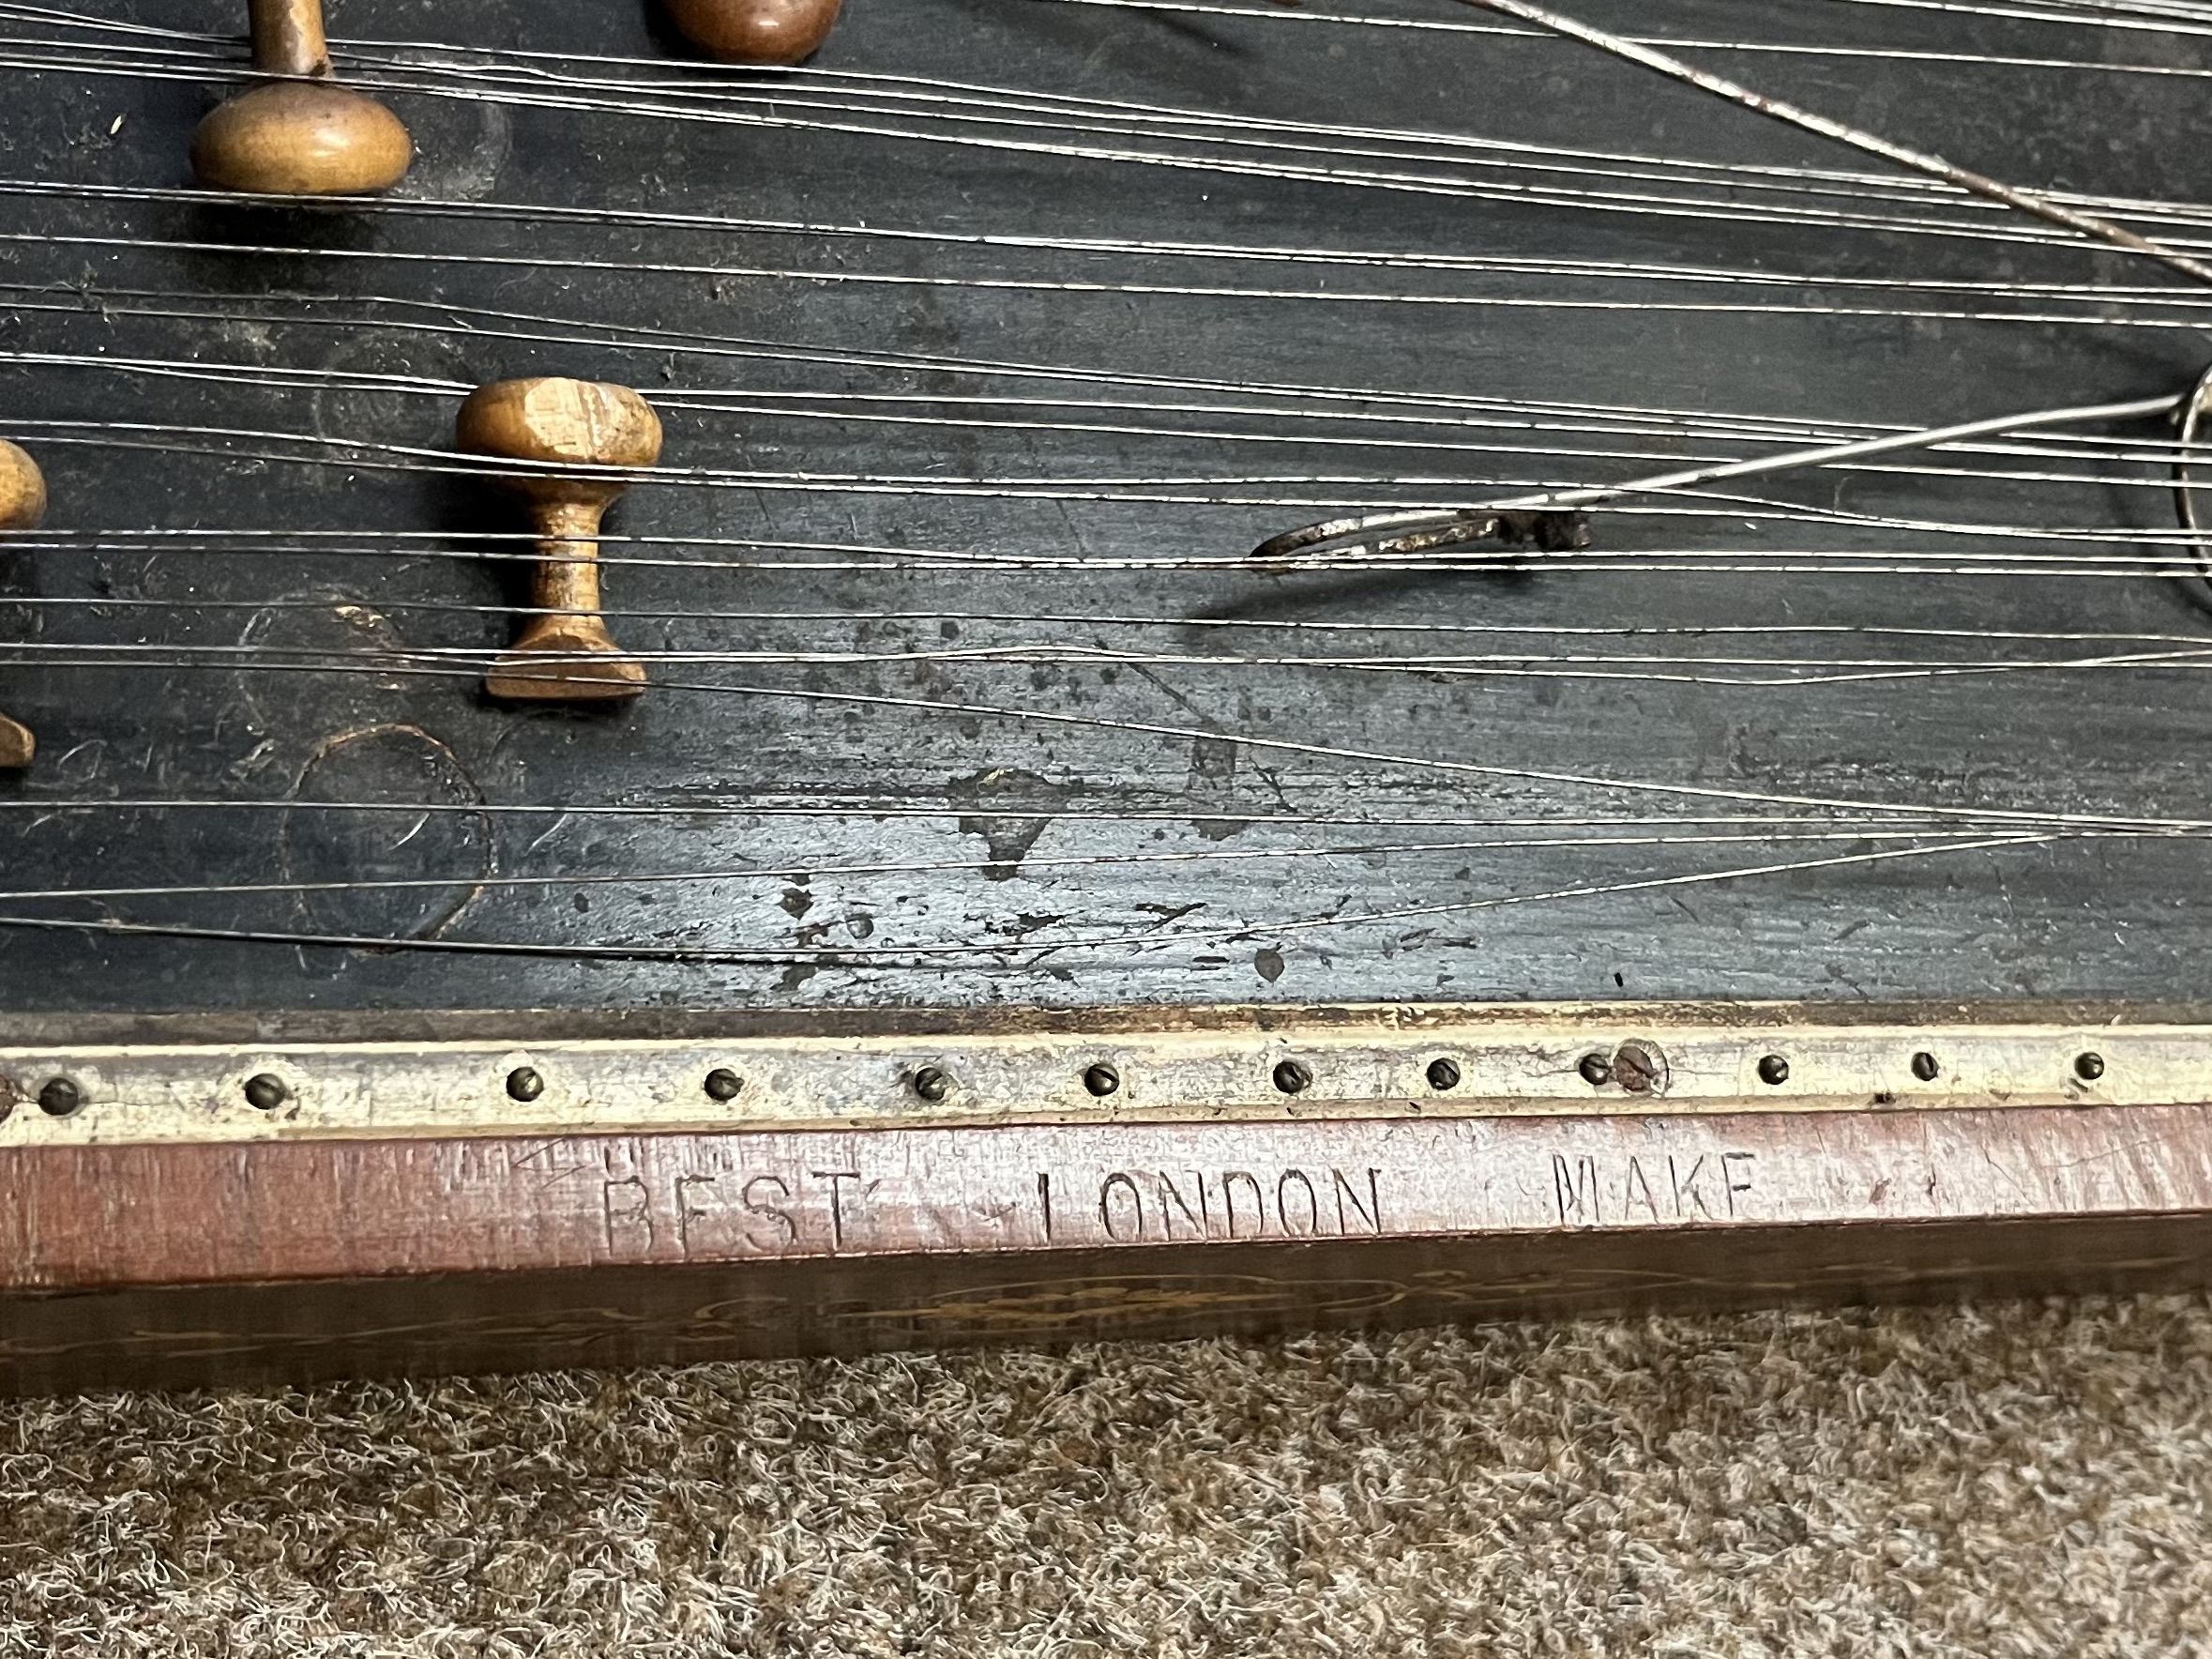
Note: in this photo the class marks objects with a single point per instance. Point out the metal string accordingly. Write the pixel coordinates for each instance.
(2183, 213)
(946, 562)
(2109, 14)
(2146, 22)
(994, 106)
(2158, 313)
(856, 808)
(1143, 940)
(1107, 623)
(1441, 766)
(781, 872)
(1151, 490)
(1237, 134)
(263, 657)
(1642, 203)
(2155, 308)
(1151, 938)
(1103, 620)
(759, 405)
(2055, 209)
(478, 322)
(2159, 19)
(2032, 201)
(1695, 476)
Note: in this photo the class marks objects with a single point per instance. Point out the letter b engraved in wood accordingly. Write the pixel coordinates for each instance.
(628, 1203)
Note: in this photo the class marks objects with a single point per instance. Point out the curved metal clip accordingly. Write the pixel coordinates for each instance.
(2188, 415)
(1426, 532)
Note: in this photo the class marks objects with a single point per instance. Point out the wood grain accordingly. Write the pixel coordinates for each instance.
(188, 1264)
(756, 31)
(300, 135)
(288, 37)
(23, 504)
(564, 651)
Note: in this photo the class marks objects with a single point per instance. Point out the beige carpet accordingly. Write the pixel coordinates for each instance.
(2018, 1480)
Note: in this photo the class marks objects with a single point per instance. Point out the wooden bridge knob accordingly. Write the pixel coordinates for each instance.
(302, 136)
(23, 504)
(565, 652)
(756, 31)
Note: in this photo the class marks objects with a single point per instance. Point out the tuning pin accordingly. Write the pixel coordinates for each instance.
(755, 31)
(565, 652)
(23, 504)
(305, 135)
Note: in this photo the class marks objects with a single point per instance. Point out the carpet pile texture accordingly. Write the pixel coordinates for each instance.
(2012, 1480)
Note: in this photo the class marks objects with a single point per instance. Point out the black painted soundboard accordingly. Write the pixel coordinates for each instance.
(1111, 819)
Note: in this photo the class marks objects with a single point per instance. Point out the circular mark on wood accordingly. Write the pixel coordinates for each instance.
(462, 146)
(326, 627)
(351, 823)
(370, 387)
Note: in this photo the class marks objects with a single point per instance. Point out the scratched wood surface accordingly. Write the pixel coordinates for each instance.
(182, 1265)
(2117, 918)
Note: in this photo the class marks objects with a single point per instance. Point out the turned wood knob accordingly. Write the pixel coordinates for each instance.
(755, 31)
(23, 504)
(305, 135)
(565, 652)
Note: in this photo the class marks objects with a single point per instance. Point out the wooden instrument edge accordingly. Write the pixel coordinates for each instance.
(169, 1261)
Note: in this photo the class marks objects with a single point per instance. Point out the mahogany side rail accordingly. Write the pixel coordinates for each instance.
(198, 1201)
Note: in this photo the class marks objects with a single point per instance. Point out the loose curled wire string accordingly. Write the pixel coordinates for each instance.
(2188, 416)
(1520, 516)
